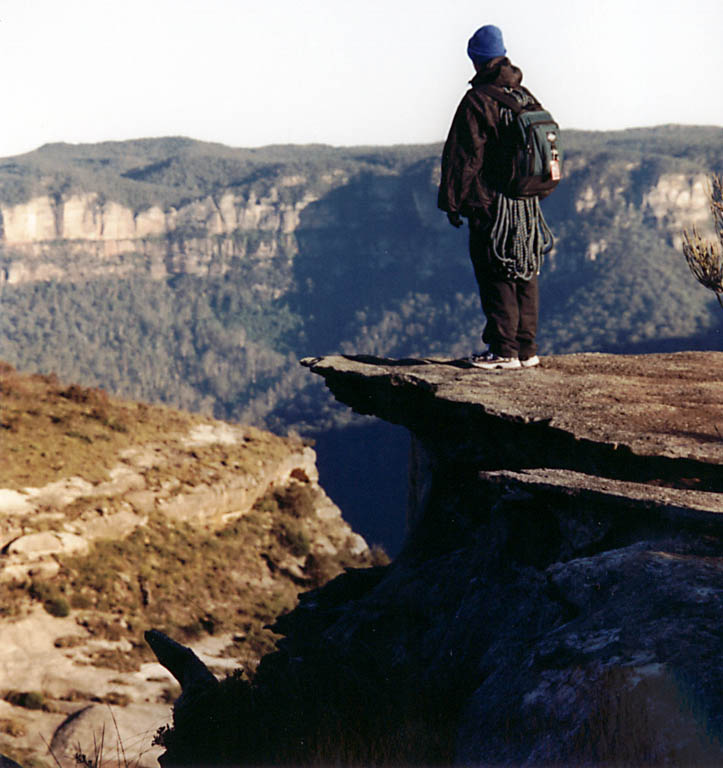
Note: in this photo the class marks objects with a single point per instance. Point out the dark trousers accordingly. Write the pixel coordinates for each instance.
(510, 305)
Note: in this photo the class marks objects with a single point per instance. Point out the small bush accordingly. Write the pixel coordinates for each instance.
(57, 606)
(13, 595)
(26, 699)
(116, 699)
(102, 627)
(293, 537)
(54, 602)
(267, 504)
(191, 631)
(321, 568)
(75, 695)
(121, 661)
(379, 556)
(78, 394)
(100, 413)
(81, 601)
(296, 499)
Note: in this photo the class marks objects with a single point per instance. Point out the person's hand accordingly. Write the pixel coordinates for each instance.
(455, 219)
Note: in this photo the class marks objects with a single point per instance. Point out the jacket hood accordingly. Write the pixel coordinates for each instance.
(499, 71)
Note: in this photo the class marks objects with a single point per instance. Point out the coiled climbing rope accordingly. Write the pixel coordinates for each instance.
(520, 236)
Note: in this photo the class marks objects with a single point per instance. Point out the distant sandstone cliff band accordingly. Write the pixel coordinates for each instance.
(88, 217)
(188, 239)
(675, 200)
(232, 215)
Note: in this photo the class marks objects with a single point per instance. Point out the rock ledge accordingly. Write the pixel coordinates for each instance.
(640, 418)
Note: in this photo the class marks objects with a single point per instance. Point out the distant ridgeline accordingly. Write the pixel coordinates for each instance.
(197, 274)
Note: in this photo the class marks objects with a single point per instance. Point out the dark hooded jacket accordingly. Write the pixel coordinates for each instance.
(472, 158)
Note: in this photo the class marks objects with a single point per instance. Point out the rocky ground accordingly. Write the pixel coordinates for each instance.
(558, 598)
(140, 517)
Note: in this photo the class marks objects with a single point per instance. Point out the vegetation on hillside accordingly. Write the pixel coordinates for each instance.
(167, 573)
(51, 430)
(229, 578)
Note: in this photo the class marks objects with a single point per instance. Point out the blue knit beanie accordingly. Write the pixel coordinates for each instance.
(486, 43)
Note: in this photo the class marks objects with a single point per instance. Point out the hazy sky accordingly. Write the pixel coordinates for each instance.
(249, 73)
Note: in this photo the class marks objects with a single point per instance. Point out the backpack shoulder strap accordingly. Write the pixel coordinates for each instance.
(507, 98)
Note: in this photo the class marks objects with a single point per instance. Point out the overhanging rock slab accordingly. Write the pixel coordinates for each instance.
(636, 417)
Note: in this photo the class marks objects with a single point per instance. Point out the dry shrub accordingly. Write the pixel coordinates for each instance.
(295, 499)
(114, 699)
(77, 394)
(69, 641)
(12, 727)
(321, 568)
(51, 596)
(293, 537)
(704, 258)
(26, 699)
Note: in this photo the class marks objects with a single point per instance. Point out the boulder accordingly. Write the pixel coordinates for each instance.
(36, 545)
(14, 502)
(120, 735)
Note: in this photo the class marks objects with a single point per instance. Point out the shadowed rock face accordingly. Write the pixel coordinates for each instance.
(558, 598)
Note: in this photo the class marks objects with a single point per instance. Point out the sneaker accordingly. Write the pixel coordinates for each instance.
(490, 362)
(530, 362)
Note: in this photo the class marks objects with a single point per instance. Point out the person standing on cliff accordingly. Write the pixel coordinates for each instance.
(508, 237)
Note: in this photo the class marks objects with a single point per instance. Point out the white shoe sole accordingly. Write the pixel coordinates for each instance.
(531, 362)
(496, 366)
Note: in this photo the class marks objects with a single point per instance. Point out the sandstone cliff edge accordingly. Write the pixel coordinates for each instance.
(557, 601)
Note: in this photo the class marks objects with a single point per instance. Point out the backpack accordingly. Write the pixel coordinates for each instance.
(532, 140)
